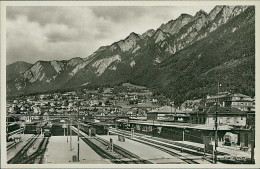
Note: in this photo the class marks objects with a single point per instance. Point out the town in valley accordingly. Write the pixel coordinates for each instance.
(113, 122)
(179, 93)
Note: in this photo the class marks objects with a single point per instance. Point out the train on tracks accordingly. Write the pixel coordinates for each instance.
(100, 128)
(47, 133)
(13, 127)
(88, 129)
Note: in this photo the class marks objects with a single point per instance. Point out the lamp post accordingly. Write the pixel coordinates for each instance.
(67, 132)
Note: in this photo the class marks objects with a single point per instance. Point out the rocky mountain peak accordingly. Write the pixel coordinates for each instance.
(238, 9)
(173, 26)
(129, 42)
(14, 69)
(133, 36)
(73, 62)
(226, 13)
(160, 35)
(219, 16)
(18, 63)
(101, 49)
(58, 65)
(184, 15)
(201, 13)
(213, 13)
(148, 33)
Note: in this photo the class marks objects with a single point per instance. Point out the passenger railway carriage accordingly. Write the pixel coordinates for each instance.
(100, 128)
(86, 128)
(12, 127)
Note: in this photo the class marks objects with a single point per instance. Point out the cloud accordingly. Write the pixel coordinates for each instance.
(61, 33)
(58, 32)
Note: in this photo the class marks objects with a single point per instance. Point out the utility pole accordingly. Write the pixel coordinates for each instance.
(153, 126)
(183, 134)
(78, 135)
(216, 138)
(7, 123)
(63, 129)
(128, 121)
(70, 135)
(218, 87)
(215, 155)
(147, 65)
(67, 132)
(253, 146)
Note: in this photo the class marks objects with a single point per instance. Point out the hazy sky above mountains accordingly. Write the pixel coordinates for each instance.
(61, 33)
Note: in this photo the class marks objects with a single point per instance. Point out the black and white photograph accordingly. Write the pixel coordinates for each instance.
(135, 83)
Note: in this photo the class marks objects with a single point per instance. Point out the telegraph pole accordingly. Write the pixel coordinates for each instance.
(7, 129)
(253, 146)
(64, 129)
(183, 134)
(78, 135)
(153, 125)
(218, 87)
(216, 130)
(67, 132)
(216, 138)
(70, 135)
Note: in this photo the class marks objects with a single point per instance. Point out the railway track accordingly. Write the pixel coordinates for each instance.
(124, 153)
(196, 150)
(37, 157)
(22, 158)
(175, 151)
(118, 155)
(11, 146)
(21, 155)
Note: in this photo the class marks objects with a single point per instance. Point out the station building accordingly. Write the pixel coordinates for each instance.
(168, 113)
(226, 115)
(236, 100)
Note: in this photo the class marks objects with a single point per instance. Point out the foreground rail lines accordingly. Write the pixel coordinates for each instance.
(190, 155)
(37, 157)
(117, 156)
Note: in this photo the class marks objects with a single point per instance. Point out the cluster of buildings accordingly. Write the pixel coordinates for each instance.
(233, 109)
(140, 109)
(116, 102)
(235, 115)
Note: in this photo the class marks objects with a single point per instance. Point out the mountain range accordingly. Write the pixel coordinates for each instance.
(183, 59)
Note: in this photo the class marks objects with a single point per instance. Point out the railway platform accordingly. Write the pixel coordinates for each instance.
(233, 151)
(192, 146)
(147, 152)
(57, 155)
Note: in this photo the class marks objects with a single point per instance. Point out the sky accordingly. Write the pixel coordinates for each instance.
(60, 33)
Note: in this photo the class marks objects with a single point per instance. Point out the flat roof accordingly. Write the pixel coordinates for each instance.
(183, 125)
